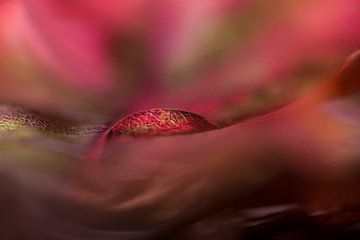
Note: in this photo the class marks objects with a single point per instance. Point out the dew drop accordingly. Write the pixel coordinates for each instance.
(160, 121)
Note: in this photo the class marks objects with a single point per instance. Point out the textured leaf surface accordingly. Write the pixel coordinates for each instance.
(15, 118)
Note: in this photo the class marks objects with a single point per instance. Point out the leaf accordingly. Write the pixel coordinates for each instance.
(16, 118)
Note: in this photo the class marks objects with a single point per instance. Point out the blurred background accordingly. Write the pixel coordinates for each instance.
(71, 68)
(109, 57)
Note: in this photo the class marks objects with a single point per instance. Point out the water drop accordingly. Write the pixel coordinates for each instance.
(160, 121)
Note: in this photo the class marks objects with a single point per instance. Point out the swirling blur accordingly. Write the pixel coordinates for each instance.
(174, 119)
